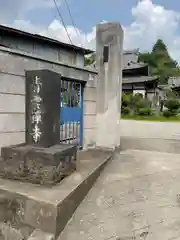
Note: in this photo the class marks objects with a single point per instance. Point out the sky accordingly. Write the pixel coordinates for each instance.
(143, 21)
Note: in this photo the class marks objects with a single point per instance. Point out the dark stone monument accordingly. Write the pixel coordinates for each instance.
(43, 108)
(42, 159)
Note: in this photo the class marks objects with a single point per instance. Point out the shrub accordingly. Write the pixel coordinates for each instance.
(167, 113)
(145, 111)
(172, 104)
(132, 103)
(126, 110)
(170, 94)
(136, 98)
(139, 95)
(125, 100)
(142, 103)
(127, 103)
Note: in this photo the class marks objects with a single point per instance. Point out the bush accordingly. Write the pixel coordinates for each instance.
(145, 112)
(126, 110)
(132, 103)
(143, 103)
(172, 104)
(127, 103)
(167, 113)
(138, 96)
(125, 100)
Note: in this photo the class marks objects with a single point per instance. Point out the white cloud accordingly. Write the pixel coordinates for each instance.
(150, 22)
(78, 37)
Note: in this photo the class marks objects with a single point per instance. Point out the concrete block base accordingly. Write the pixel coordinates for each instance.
(46, 166)
(28, 207)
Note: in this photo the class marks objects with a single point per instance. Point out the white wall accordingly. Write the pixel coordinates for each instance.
(139, 91)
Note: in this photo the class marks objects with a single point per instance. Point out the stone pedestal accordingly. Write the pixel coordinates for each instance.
(46, 166)
(42, 159)
(109, 50)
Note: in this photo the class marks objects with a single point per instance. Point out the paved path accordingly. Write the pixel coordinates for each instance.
(136, 197)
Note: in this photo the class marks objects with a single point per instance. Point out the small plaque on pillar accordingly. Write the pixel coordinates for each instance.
(106, 54)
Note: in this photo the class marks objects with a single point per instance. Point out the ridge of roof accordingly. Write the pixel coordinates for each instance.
(44, 39)
(139, 79)
(132, 51)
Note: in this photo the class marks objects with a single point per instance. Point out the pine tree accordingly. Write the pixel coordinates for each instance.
(160, 62)
(159, 46)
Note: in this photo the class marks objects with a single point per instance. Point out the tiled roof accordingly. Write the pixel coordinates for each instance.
(139, 79)
(134, 65)
(30, 36)
(133, 51)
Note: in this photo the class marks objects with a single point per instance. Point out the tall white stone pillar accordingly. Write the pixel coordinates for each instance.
(109, 51)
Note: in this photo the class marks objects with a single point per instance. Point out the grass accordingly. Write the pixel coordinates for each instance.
(152, 118)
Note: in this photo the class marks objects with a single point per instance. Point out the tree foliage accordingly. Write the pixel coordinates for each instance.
(160, 62)
(90, 59)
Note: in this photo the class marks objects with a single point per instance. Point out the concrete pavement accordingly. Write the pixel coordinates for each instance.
(136, 197)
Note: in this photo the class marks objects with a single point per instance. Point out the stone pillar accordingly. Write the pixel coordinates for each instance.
(109, 50)
(42, 108)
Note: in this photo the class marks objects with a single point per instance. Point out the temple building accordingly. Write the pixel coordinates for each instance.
(136, 78)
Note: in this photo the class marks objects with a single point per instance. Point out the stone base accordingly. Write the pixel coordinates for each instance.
(37, 164)
(27, 208)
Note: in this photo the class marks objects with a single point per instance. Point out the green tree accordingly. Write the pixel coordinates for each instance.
(90, 59)
(160, 62)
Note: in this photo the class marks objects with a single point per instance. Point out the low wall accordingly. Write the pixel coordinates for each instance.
(156, 136)
(145, 129)
(13, 65)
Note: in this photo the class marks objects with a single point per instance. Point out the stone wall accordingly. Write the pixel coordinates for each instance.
(13, 65)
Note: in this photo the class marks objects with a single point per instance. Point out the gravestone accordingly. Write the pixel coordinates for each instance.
(42, 159)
